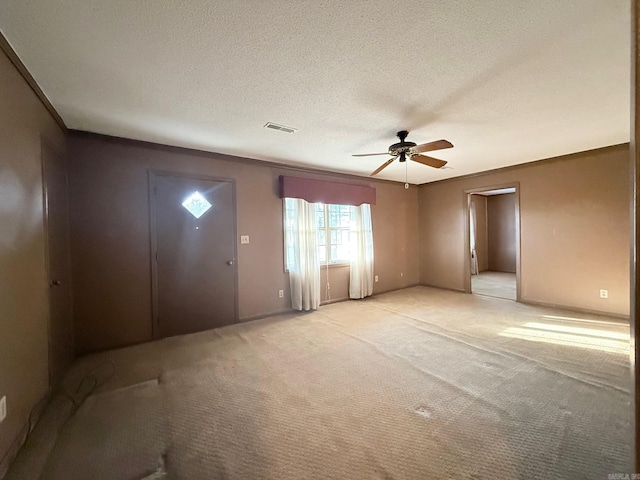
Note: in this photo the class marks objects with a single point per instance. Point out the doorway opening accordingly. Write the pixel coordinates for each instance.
(492, 246)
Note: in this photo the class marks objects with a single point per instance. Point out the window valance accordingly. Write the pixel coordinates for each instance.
(321, 191)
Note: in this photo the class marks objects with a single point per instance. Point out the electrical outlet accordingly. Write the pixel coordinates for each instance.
(3, 408)
(604, 293)
(375, 278)
(244, 239)
(280, 293)
(401, 274)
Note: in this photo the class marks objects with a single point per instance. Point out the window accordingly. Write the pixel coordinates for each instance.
(196, 204)
(333, 224)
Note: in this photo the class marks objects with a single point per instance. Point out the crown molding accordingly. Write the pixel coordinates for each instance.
(11, 54)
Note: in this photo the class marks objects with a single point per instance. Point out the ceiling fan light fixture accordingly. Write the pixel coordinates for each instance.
(403, 148)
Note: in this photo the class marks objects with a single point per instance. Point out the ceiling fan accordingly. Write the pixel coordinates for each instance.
(403, 149)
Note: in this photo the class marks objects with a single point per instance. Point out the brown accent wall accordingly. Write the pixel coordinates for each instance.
(574, 220)
(23, 271)
(482, 251)
(501, 228)
(110, 235)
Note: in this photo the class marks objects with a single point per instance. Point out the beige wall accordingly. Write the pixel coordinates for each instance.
(574, 214)
(110, 235)
(482, 251)
(501, 232)
(23, 274)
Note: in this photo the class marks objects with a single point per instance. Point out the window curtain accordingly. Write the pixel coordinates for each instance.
(304, 265)
(472, 238)
(361, 264)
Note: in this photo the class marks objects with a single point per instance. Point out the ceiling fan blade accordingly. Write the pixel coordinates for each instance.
(369, 154)
(430, 161)
(382, 167)
(431, 146)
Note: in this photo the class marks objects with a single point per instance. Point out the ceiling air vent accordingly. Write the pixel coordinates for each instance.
(282, 128)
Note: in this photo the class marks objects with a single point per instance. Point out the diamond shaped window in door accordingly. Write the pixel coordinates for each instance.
(196, 204)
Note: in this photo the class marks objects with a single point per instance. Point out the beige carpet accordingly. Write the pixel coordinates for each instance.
(494, 284)
(413, 384)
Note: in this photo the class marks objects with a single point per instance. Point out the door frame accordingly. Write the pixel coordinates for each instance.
(467, 235)
(153, 257)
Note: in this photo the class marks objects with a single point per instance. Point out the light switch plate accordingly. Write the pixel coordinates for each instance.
(3, 408)
(244, 239)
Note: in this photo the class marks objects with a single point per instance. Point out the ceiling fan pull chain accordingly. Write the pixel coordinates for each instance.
(406, 176)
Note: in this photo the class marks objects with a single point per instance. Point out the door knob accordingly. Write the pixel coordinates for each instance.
(230, 262)
(56, 283)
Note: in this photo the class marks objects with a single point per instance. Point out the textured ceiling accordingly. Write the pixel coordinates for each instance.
(506, 81)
